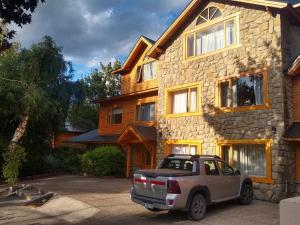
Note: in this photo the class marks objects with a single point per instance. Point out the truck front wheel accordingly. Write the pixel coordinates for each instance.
(197, 208)
(246, 195)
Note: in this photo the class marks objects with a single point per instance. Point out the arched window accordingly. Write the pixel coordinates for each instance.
(207, 14)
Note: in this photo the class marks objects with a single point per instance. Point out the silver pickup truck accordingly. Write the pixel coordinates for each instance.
(190, 183)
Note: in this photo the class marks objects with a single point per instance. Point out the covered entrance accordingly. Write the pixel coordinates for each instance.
(139, 142)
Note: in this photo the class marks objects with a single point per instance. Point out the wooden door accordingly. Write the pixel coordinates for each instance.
(297, 156)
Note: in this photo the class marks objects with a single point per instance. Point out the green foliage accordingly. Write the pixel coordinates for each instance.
(100, 84)
(65, 159)
(103, 161)
(35, 82)
(84, 116)
(13, 161)
(18, 12)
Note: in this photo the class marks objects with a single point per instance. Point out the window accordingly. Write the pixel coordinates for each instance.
(211, 168)
(184, 100)
(225, 169)
(188, 147)
(251, 157)
(146, 71)
(179, 164)
(115, 116)
(145, 112)
(213, 36)
(246, 91)
(208, 14)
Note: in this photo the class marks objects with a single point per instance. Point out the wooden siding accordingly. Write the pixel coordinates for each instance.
(60, 140)
(297, 156)
(129, 113)
(128, 81)
(296, 99)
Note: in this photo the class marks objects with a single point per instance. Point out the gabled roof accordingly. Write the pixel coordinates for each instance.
(140, 46)
(143, 133)
(156, 49)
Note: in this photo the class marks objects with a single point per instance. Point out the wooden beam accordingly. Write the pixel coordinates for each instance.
(128, 161)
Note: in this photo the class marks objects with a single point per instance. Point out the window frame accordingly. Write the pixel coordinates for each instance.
(218, 98)
(168, 99)
(140, 71)
(266, 142)
(138, 113)
(168, 145)
(206, 25)
(110, 116)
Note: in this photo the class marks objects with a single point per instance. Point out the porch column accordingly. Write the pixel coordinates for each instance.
(128, 160)
(153, 152)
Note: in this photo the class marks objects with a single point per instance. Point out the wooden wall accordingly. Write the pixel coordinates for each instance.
(60, 140)
(128, 81)
(296, 99)
(129, 112)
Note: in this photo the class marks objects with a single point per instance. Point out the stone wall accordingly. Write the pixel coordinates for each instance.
(260, 47)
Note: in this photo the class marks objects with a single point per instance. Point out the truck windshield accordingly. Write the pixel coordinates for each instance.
(179, 164)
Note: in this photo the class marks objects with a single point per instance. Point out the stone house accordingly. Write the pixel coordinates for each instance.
(228, 84)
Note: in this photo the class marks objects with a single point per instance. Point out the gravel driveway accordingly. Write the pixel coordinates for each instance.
(85, 200)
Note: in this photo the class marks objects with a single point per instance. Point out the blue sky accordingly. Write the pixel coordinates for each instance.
(91, 31)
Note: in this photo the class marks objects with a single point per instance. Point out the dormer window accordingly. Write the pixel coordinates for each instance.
(146, 71)
(209, 14)
(212, 33)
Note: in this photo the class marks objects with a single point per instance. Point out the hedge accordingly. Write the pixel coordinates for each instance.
(103, 161)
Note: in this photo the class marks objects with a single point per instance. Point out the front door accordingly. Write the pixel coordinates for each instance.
(141, 159)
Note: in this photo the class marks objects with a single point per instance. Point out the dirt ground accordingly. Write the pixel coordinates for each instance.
(86, 200)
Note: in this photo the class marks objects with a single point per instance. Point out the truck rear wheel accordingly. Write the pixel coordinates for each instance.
(197, 208)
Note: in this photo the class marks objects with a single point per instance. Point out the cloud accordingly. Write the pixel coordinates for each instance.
(91, 31)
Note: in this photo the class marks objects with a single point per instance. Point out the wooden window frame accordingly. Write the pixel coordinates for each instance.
(137, 113)
(168, 99)
(267, 103)
(206, 25)
(267, 142)
(140, 71)
(168, 145)
(110, 116)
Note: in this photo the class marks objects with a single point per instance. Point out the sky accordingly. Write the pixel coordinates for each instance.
(90, 31)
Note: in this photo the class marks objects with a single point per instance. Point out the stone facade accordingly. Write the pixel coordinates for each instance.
(260, 39)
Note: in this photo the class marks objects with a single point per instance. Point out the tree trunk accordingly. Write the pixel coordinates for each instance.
(19, 132)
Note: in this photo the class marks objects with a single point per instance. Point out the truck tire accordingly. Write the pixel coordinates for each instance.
(197, 209)
(246, 195)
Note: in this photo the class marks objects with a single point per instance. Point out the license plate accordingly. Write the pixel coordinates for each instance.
(148, 206)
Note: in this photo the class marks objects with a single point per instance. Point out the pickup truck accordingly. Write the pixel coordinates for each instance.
(190, 183)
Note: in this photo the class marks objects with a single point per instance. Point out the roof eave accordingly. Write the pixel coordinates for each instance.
(156, 49)
(124, 69)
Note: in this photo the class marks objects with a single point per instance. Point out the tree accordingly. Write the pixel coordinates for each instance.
(18, 12)
(102, 84)
(32, 86)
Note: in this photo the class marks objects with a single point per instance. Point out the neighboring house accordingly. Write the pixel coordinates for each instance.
(227, 83)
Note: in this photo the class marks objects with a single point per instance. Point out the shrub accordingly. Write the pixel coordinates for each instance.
(12, 163)
(103, 161)
(65, 159)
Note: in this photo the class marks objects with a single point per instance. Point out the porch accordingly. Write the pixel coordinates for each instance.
(139, 143)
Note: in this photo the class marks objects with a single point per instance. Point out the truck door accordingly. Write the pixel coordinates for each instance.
(230, 180)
